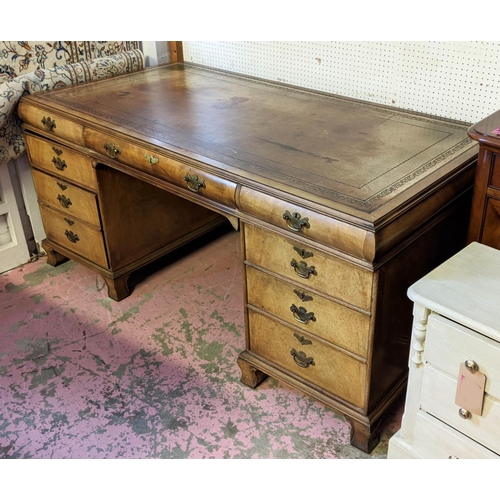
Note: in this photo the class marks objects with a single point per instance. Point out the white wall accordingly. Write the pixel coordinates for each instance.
(457, 80)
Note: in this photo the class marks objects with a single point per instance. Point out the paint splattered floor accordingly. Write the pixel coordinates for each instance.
(152, 376)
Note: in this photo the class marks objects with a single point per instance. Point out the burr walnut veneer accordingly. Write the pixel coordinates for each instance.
(341, 205)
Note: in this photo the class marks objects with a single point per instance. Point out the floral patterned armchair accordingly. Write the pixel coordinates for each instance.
(28, 67)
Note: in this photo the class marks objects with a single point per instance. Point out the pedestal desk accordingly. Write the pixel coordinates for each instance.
(341, 205)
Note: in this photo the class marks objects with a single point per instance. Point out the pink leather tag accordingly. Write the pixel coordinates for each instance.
(470, 390)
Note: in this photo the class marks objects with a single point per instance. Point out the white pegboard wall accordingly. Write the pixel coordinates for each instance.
(456, 80)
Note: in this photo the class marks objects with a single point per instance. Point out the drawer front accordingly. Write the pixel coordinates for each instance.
(495, 172)
(74, 235)
(449, 344)
(331, 232)
(438, 399)
(73, 201)
(175, 172)
(61, 161)
(312, 313)
(317, 363)
(434, 439)
(51, 123)
(318, 271)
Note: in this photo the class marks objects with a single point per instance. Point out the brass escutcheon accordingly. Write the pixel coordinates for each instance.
(302, 339)
(305, 254)
(69, 221)
(302, 296)
(295, 222)
(194, 183)
(151, 159)
(48, 124)
(111, 149)
(57, 151)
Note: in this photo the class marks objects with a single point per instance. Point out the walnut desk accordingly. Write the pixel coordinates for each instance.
(341, 206)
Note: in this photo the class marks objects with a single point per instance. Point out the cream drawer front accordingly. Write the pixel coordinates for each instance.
(434, 439)
(327, 368)
(66, 197)
(333, 322)
(61, 161)
(438, 399)
(74, 235)
(449, 344)
(330, 275)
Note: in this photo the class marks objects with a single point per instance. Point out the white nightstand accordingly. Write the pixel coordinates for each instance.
(456, 319)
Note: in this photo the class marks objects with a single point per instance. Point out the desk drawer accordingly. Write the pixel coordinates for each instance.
(330, 275)
(327, 368)
(51, 123)
(74, 235)
(449, 344)
(438, 399)
(434, 439)
(61, 161)
(299, 220)
(63, 196)
(169, 169)
(330, 321)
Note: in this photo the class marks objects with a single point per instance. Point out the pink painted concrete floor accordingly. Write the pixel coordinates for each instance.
(152, 376)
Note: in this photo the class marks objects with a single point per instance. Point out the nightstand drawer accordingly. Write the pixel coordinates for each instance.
(449, 344)
(63, 196)
(308, 266)
(61, 161)
(438, 399)
(329, 369)
(434, 439)
(74, 235)
(177, 173)
(312, 313)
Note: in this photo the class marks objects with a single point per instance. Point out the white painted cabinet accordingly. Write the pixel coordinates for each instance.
(456, 322)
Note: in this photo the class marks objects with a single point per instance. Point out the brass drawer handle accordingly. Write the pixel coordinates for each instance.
(295, 222)
(302, 269)
(465, 414)
(301, 315)
(58, 163)
(301, 359)
(194, 183)
(48, 124)
(471, 366)
(301, 339)
(151, 159)
(71, 236)
(65, 202)
(111, 149)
